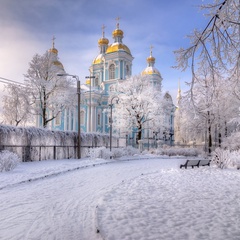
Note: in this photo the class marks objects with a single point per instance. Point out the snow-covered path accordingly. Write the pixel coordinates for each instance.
(150, 199)
(63, 206)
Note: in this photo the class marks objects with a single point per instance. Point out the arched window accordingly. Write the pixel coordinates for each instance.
(127, 71)
(112, 71)
(96, 82)
(99, 119)
(82, 117)
(58, 119)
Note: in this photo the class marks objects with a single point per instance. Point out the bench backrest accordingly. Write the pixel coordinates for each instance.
(193, 162)
(204, 162)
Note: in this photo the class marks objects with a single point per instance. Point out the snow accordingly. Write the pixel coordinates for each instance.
(144, 197)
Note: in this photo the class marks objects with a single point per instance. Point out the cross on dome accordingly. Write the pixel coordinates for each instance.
(53, 43)
(53, 49)
(151, 59)
(117, 19)
(103, 33)
(151, 47)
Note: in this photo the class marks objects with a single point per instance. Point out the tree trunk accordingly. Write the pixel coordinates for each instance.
(226, 133)
(139, 133)
(209, 139)
(209, 134)
(219, 139)
(44, 110)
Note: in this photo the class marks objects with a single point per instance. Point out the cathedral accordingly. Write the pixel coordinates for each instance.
(112, 64)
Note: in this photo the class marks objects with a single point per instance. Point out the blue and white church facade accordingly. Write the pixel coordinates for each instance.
(112, 64)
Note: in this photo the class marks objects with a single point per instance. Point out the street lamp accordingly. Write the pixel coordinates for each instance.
(90, 102)
(111, 121)
(79, 109)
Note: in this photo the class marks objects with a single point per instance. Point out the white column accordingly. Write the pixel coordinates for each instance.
(65, 120)
(93, 118)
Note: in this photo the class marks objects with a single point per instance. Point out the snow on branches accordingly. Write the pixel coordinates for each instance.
(217, 45)
(15, 105)
(140, 103)
(50, 94)
(8, 161)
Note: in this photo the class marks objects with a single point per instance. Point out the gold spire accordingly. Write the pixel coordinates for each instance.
(53, 39)
(103, 40)
(151, 47)
(117, 19)
(103, 33)
(151, 58)
(53, 49)
(117, 32)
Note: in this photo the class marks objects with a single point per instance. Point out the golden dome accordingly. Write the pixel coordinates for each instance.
(115, 47)
(53, 50)
(150, 71)
(98, 59)
(57, 63)
(88, 81)
(117, 32)
(103, 41)
(151, 59)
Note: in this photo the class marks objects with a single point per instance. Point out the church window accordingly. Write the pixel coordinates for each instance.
(112, 71)
(58, 119)
(82, 117)
(96, 82)
(98, 119)
(127, 71)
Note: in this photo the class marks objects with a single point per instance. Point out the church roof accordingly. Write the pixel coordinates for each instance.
(115, 47)
(98, 59)
(150, 71)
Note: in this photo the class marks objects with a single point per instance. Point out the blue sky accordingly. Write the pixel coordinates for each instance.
(27, 27)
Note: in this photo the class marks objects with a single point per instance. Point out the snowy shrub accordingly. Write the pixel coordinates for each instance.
(221, 158)
(97, 152)
(165, 146)
(100, 152)
(126, 151)
(8, 161)
(232, 142)
(105, 153)
(145, 152)
(176, 151)
(235, 158)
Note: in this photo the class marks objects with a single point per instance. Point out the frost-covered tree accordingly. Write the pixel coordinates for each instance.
(49, 93)
(217, 45)
(139, 104)
(207, 112)
(214, 58)
(16, 105)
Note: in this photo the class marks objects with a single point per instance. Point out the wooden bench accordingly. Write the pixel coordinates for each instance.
(204, 162)
(196, 163)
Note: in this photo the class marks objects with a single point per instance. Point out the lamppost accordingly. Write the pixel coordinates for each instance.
(90, 102)
(79, 109)
(111, 121)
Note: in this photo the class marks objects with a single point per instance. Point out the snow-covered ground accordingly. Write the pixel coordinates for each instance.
(141, 199)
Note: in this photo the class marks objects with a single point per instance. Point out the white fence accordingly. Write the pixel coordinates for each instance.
(35, 144)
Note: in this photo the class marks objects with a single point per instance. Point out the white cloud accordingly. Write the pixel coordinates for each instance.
(16, 50)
